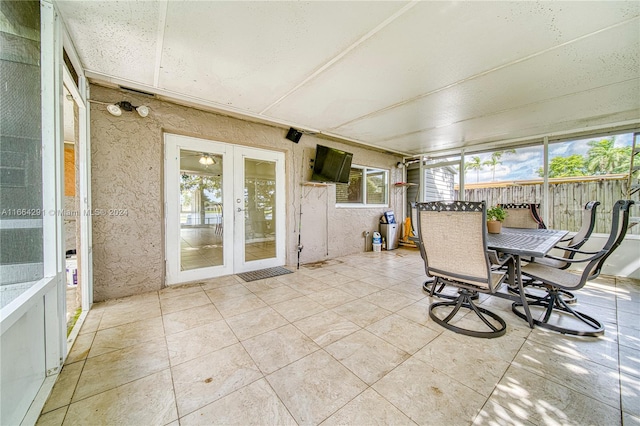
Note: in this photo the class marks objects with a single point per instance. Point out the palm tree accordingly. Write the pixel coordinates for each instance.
(495, 160)
(474, 164)
(604, 158)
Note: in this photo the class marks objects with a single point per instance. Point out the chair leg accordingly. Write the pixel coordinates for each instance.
(554, 302)
(430, 287)
(567, 296)
(464, 300)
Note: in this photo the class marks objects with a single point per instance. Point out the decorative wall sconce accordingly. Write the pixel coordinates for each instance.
(116, 109)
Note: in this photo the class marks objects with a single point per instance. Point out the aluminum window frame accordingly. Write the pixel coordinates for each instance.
(365, 204)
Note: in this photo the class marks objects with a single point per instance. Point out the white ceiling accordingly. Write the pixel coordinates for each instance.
(411, 77)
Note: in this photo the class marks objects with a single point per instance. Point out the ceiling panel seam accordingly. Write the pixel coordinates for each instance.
(162, 20)
(629, 126)
(501, 111)
(342, 54)
(482, 74)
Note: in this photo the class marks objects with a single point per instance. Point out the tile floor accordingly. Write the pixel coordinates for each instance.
(347, 342)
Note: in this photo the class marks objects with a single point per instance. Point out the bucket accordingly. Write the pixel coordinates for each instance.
(377, 239)
(377, 247)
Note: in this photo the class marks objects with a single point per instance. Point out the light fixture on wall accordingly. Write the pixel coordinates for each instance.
(206, 160)
(116, 109)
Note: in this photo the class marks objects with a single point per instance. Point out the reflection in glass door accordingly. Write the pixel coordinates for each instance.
(201, 210)
(259, 209)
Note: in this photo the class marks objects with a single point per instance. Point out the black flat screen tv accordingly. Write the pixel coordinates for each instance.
(331, 165)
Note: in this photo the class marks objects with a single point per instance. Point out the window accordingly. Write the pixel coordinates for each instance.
(21, 193)
(592, 169)
(579, 170)
(366, 187)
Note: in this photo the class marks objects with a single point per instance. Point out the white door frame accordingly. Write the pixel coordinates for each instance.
(173, 145)
(233, 221)
(240, 154)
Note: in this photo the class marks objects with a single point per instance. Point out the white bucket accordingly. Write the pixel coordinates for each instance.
(377, 247)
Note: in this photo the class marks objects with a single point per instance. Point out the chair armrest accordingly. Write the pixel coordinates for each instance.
(576, 251)
(572, 260)
(498, 258)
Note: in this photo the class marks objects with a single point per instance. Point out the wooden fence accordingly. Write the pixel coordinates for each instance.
(566, 198)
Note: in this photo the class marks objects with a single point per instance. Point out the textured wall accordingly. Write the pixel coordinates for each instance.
(127, 173)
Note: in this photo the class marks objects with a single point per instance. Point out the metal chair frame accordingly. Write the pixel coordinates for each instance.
(573, 243)
(468, 283)
(537, 221)
(554, 280)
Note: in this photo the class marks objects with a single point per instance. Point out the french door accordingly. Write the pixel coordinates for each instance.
(224, 208)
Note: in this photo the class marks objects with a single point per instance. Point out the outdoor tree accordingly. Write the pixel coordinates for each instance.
(573, 165)
(474, 164)
(189, 183)
(604, 157)
(495, 160)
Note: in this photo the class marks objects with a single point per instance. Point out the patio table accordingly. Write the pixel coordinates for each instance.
(520, 242)
(525, 242)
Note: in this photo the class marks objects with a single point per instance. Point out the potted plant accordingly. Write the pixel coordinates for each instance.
(495, 217)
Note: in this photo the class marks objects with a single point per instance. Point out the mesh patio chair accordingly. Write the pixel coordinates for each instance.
(555, 280)
(569, 246)
(454, 249)
(572, 243)
(523, 216)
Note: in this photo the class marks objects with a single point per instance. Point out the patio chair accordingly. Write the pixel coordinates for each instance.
(523, 216)
(569, 246)
(555, 280)
(454, 249)
(572, 243)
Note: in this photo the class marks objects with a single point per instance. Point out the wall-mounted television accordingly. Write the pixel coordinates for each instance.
(331, 165)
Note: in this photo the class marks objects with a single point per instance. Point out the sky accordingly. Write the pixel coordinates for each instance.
(524, 164)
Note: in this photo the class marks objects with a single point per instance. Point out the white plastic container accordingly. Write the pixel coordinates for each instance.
(377, 247)
(377, 238)
(72, 271)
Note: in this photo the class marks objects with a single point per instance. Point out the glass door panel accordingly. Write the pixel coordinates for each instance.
(201, 210)
(259, 209)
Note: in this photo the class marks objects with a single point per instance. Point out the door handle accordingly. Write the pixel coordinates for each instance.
(240, 210)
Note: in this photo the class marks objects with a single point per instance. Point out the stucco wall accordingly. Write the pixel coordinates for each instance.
(127, 173)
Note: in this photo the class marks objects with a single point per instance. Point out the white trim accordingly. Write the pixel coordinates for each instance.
(25, 301)
(461, 175)
(172, 145)
(240, 153)
(233, 235)
(86, 225)
(70, 48)
(33, 413)
(84, 185)
(545, 180)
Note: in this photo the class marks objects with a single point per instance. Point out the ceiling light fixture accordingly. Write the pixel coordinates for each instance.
(116, 109)
(206, 160)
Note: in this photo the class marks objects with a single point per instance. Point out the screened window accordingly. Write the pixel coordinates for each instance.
(579, 171)
(21, 202)
(367, 186)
